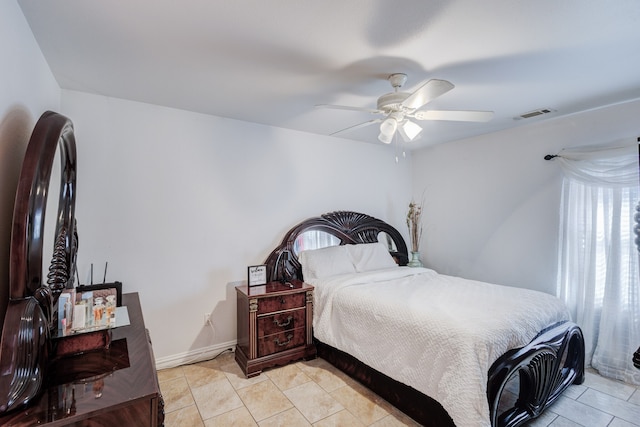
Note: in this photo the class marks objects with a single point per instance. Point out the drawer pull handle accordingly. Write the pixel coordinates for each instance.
(282, 344)
(282, 325)
(282, 301)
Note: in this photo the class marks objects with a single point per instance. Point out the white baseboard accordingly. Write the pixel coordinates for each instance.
(193, 356)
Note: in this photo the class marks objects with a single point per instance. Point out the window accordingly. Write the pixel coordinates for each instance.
(598, 260)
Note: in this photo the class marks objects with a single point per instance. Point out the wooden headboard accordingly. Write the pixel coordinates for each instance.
(349, 227)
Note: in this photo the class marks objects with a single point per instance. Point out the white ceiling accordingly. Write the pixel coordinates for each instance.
(272, 61)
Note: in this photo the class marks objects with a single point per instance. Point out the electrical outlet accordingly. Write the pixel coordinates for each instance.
(206, 318)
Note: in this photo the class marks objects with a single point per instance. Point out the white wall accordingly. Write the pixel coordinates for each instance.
(179, 204)
(492, 203)
(27, 89)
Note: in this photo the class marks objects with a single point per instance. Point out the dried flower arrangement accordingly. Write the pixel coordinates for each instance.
(415, 225)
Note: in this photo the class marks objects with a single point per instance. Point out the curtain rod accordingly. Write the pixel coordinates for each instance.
(553, 156)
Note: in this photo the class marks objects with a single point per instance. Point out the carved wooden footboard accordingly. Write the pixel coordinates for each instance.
(542, 370)
(545, 367)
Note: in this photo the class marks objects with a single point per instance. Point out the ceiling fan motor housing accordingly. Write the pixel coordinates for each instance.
(397, 80)
(392, 101)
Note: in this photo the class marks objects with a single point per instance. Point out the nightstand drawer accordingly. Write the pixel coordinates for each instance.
(281, 302)
(283, 321)
(280, 342)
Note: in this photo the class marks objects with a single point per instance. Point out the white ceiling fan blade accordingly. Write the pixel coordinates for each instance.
(358, 126)
(346, 107)
(456, 115)
(427, 93)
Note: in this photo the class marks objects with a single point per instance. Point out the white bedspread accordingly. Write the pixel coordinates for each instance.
(439, 334)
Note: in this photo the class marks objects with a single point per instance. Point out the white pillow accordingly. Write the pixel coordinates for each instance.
(371, 256)
(325, 262)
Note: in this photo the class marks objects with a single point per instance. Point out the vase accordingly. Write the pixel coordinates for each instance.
(415, 259)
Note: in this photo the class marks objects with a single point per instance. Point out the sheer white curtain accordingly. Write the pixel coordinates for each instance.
(598, 274)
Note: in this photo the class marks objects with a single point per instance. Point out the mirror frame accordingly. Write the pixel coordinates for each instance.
(31, 315)
(52, 131)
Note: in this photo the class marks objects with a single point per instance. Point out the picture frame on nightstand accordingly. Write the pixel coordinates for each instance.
(256, 275)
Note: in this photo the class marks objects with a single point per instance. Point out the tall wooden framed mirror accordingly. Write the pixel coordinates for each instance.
(36, 280)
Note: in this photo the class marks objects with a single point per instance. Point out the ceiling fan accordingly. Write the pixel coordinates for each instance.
(398, 107)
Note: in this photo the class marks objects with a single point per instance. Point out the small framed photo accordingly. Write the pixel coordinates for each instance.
(257, 275)
(113, 287)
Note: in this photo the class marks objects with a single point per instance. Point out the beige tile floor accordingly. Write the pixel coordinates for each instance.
(305, 393)
(314, 393)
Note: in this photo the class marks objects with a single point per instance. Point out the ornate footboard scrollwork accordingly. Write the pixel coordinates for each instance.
(546, 367)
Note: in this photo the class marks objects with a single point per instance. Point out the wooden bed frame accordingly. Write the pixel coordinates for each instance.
(545, 367)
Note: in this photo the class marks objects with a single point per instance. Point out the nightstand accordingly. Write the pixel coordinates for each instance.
(274, 325)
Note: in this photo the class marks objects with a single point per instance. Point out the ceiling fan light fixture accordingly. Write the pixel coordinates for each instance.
(410, 130)
(387, 129)
(385, 138)
(389, 126)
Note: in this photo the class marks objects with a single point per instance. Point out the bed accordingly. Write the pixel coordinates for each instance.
(445, 350)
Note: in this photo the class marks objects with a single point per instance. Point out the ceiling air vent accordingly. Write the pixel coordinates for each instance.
(534, 113)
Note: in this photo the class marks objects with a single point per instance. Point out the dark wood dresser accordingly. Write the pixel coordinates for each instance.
(115, 387)
(274, 325)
